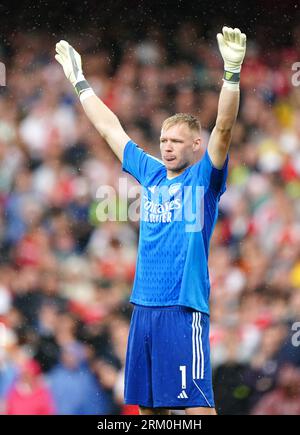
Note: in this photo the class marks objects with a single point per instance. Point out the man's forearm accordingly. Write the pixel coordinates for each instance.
(99, 114)
(105, 121)
(227, 109)
(232, 45)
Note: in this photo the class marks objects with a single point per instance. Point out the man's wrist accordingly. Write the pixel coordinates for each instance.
(231, 76)
(232, 68)
(87, 93)
(231, 86)
(82, 86)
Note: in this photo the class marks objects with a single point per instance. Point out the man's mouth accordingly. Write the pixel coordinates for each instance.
(169, 158)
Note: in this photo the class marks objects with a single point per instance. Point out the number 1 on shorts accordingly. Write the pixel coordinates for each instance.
(183, 377)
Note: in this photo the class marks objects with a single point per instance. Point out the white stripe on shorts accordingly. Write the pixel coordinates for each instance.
(198, 357)
(194, 344)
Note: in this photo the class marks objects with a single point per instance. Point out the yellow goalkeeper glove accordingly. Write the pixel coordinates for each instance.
(70, 60)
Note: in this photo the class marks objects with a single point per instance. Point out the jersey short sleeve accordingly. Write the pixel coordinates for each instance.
(210, 176)
(138, 163)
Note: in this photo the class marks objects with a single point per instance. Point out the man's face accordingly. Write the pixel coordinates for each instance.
(179, 147)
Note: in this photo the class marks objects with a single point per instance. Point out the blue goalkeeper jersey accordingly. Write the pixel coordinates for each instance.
(177, 219)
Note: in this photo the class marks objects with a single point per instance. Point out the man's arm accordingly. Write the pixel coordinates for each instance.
(219, 140)
(232, 45)
(107, 123)
(104, 120)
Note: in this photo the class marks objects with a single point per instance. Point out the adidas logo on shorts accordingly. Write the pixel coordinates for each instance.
(182, 395)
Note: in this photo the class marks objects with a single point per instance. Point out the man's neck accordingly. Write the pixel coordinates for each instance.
(172, 174)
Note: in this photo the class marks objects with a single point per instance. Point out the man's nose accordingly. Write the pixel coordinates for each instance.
(168, 147)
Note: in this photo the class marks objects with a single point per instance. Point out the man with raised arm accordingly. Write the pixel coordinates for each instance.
(168, 353)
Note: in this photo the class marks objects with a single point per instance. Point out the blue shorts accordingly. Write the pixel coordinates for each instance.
(168, 358)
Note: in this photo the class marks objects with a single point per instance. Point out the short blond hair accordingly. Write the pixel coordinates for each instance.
(183, 118)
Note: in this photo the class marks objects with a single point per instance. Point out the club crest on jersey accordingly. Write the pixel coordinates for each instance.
(174, 188)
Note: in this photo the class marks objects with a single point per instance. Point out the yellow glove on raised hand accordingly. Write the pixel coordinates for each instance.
(70, 60)
(232, 45)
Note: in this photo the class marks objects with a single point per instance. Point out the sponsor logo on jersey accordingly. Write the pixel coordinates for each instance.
(156, 213)
(166, 204)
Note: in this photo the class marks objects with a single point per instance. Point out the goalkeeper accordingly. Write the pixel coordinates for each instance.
(168, 354)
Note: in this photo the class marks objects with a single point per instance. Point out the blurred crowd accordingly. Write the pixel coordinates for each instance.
(66, 272)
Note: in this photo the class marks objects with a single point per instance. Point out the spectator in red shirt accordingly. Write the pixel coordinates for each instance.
(29, 395)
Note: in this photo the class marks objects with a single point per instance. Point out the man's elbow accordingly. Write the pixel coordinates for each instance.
(224, 133)
(224, 126)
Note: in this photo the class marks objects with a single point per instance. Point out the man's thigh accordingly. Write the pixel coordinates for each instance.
(171, 362)
(181, 359)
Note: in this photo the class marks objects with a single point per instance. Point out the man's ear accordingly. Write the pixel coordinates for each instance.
(197, 144)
